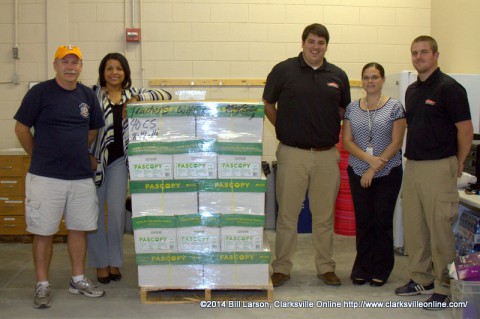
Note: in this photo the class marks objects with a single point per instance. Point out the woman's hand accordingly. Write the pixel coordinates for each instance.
(367, 178)
(377, 163)
(94, 162)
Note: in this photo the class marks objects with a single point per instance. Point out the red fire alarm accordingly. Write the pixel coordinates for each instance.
(132, 35)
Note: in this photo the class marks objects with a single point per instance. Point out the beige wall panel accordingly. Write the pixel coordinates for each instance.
(211, 32)
(187, 12)
(31, 12)
(412, 17)
(250, 69)
(173, 69)
(211, 69)
(253, 32)
(230, 51)
(158, 51)
(157, 12)
(304, 14)
(267, 13)
(266, 51)
(153, 31)
(285, 32)
(353, 34)
(111, 12)
(342, 15)
(83, 12)
(229, 13)
(458, 38)
(377, 16)
(192, 51)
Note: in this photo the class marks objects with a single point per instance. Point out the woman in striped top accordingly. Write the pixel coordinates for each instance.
(109, 161)
(373, 131)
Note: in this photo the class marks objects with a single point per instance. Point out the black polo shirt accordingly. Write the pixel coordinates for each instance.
(432, 109)
(307, 102)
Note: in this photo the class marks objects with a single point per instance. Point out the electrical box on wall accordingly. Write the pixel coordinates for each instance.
(132, 34)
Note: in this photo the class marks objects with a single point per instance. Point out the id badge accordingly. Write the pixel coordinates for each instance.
(369, 150)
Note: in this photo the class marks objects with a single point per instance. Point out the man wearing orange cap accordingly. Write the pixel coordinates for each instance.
(65, 116)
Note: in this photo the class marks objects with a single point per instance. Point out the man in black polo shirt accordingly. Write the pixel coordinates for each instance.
(305, 99)
(439, 137)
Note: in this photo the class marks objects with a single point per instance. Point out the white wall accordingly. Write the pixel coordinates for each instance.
(201, 39)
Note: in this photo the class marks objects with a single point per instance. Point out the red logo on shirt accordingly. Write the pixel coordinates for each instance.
(430, 102)
(333, 85)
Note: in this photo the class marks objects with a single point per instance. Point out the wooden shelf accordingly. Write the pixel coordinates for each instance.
(221, 82)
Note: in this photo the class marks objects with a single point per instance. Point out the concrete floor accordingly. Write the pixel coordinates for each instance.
(122, 299)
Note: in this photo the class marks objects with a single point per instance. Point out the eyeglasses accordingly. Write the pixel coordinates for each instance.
(373, 78)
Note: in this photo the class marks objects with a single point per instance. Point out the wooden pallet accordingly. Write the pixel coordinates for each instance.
(159, 295)
(27, 239)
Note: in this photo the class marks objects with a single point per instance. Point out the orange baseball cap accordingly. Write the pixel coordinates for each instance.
(64, 50)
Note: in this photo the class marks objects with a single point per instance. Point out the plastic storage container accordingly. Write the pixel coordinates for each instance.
(468, 291)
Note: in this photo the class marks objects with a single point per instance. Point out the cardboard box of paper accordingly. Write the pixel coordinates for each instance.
(195, 165)
(240, 166)
(150, 167)
(171, 276)
(162, 197)
(198, 233)
(176, 270)
(241, 232)
(227, 196)
(160, 121)
(238, 122)
(236, 269)
(154, 234)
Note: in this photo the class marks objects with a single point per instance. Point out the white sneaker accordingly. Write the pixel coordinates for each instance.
(41, 298)
(85, 287)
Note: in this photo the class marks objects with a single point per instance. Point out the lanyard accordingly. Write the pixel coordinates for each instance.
(371, 120)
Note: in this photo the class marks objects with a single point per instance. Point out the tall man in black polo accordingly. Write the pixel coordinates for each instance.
(439, 137)
(305, 99)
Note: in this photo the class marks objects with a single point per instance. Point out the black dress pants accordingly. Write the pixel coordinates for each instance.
(374, 207)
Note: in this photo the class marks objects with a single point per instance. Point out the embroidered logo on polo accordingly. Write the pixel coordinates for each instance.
(84, 110)
(430, 102)
(333, 85)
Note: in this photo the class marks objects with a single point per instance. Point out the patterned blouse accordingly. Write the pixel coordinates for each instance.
(105, 136)
(382, 126)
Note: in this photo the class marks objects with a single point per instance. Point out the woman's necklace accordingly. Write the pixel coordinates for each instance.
(107, 95)
(369, 148)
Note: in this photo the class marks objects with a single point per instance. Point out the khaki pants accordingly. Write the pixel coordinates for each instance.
(298, 171)
(430, 206)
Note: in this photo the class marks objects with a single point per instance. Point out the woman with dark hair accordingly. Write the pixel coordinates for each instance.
(109, 160)
(373, 131)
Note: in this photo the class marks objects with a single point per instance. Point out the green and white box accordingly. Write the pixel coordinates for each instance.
(198, 233)
(195, 165)
(240, 166)
(235, 121)
(170, 276)
(241, 232)
(154, 234)
(237, 269)
(159, 121)
(168, 204)
(232, 196)
(241, 238)
(164, 197)
(150, 167)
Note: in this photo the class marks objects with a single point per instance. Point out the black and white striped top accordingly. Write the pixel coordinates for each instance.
(382, 127)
